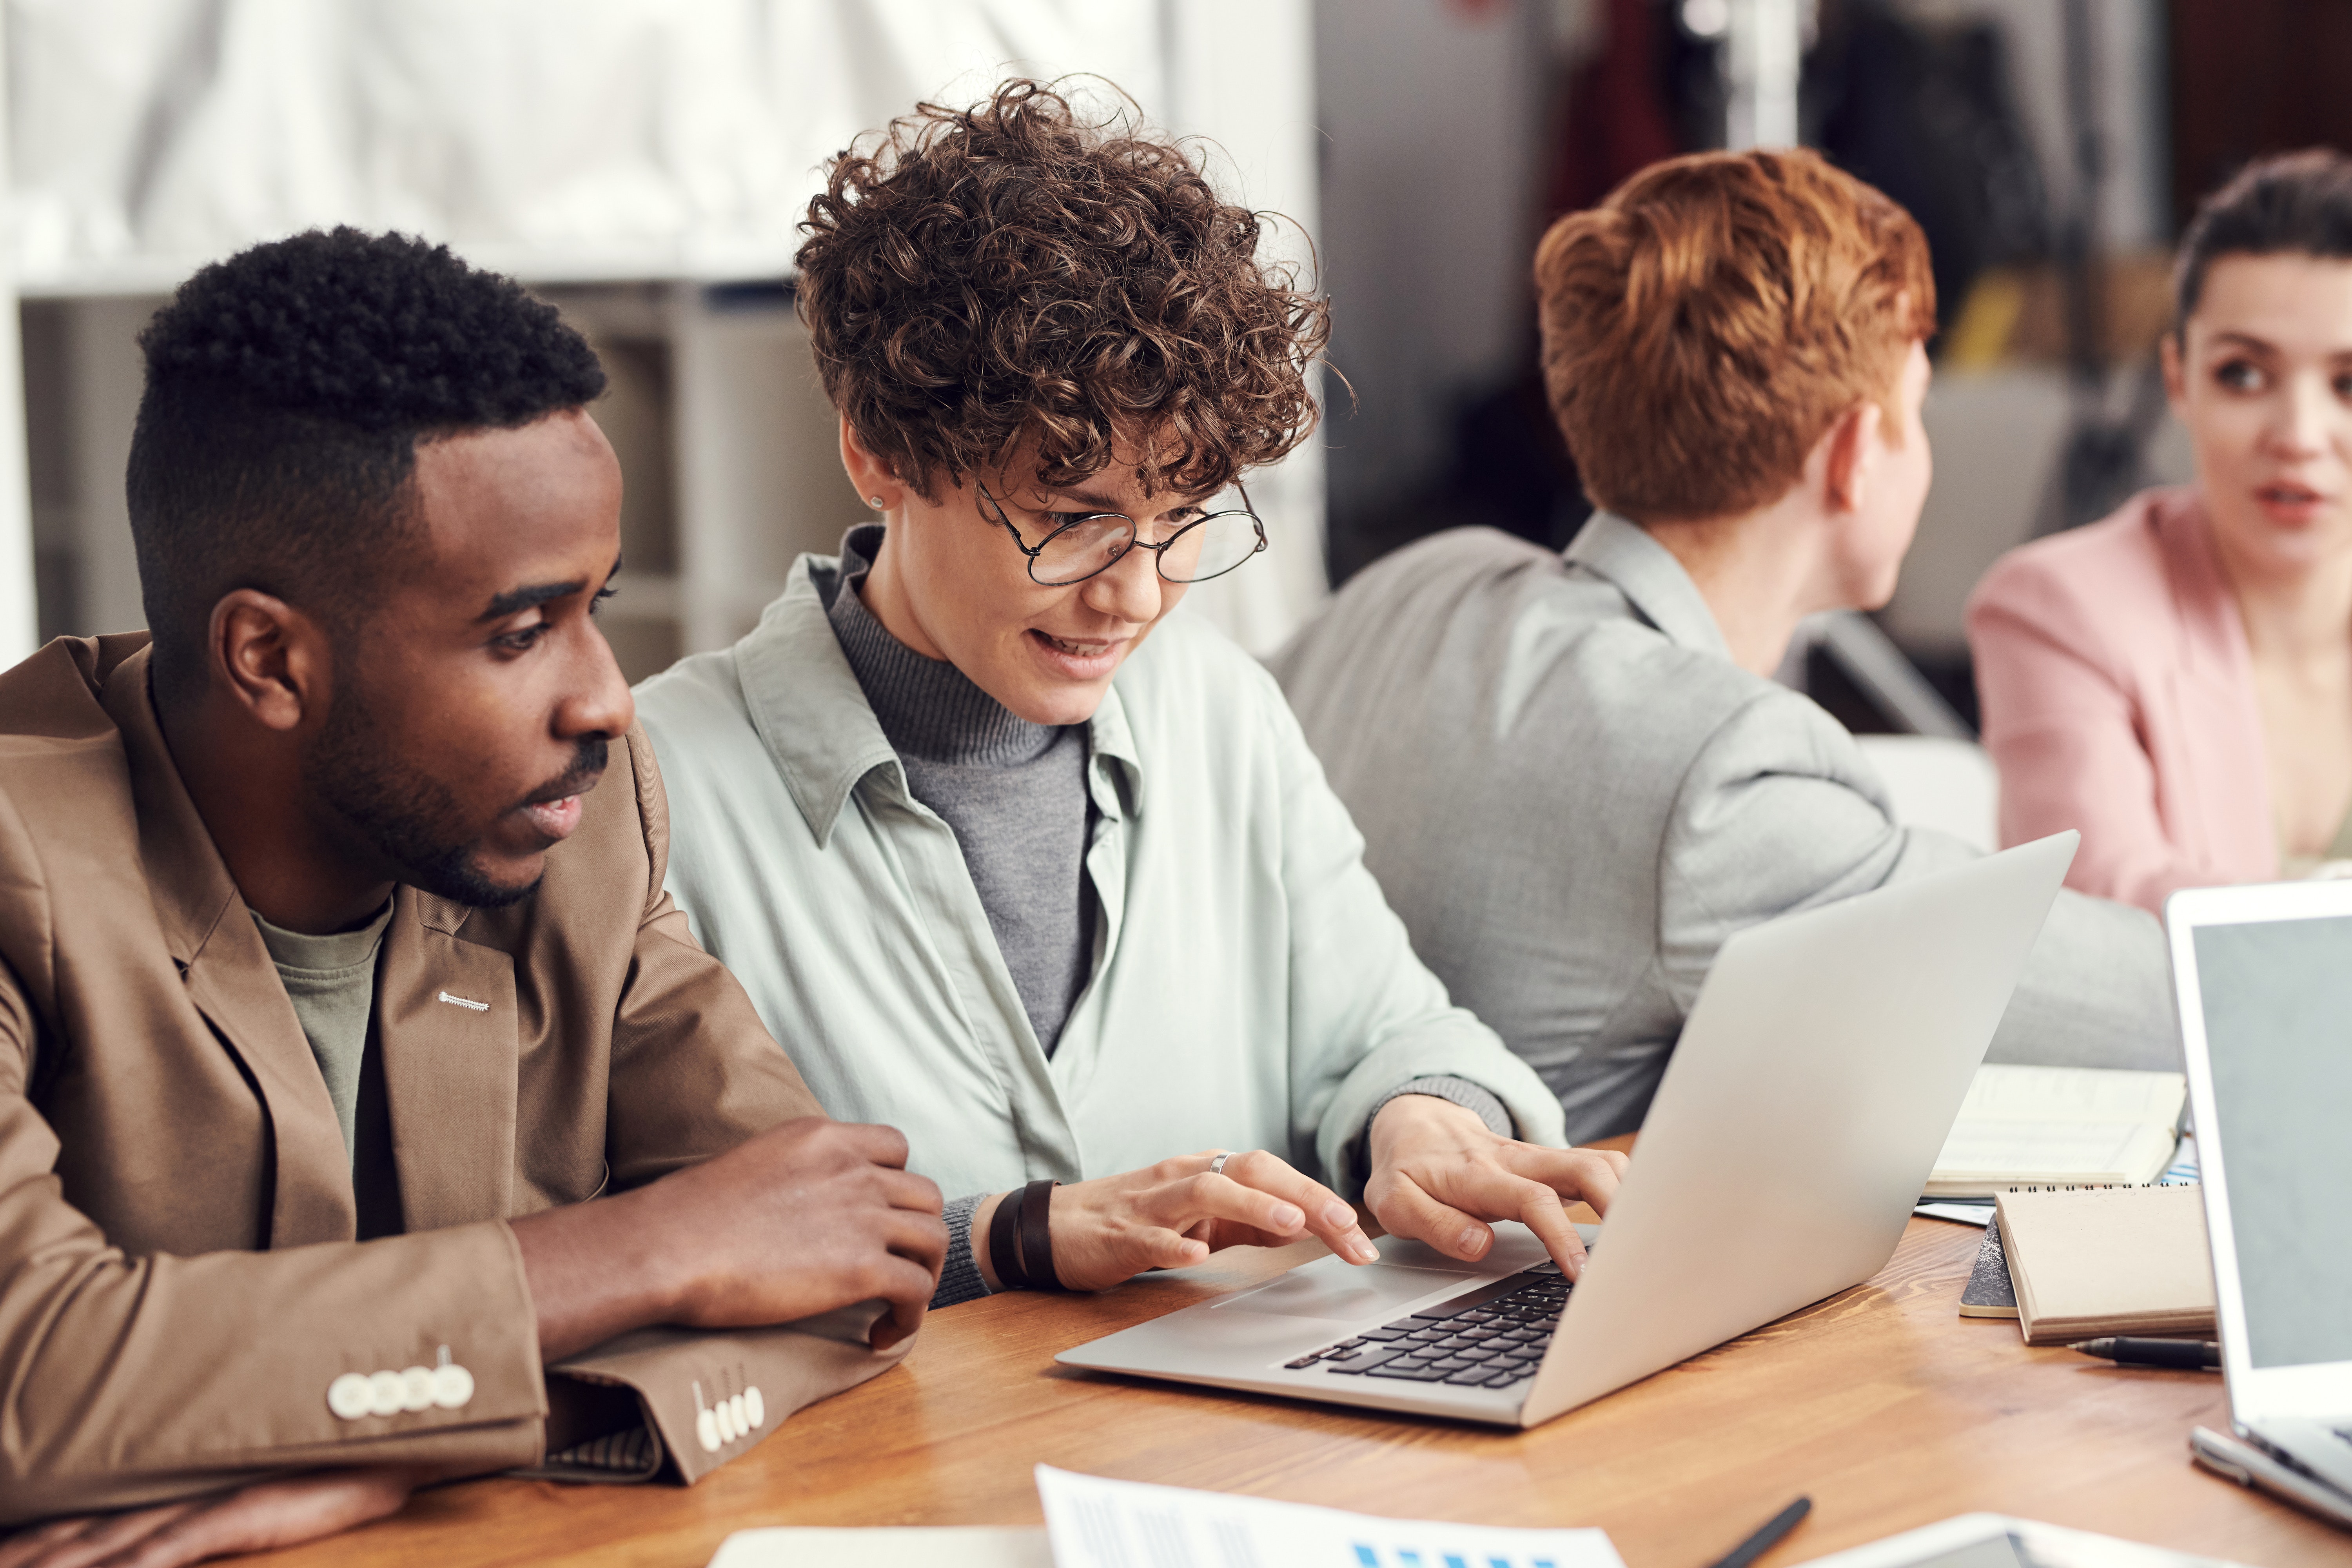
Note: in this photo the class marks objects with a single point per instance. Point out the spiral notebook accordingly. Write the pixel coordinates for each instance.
(2037, 1126)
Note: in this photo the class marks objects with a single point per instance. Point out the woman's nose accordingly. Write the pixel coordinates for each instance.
(1129, 589)
(2302, 425)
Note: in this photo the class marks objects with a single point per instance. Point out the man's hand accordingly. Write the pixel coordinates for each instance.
(805, 1217)
(251, 1518)
(1174, 1214)
(1438, 1176)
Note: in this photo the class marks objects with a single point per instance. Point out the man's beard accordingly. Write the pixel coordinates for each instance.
(410, 818)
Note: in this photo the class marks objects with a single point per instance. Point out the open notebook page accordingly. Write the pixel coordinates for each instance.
(2025, 1126)
(1987, 1155)
(2001, 1092)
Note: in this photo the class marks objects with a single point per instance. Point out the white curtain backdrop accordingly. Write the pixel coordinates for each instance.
(564, 137)
(585, 140)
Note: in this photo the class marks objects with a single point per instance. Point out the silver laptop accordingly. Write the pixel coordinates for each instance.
(1803, 1107)
(2263, 975)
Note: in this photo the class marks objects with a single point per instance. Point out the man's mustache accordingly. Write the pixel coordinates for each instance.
(587, 767)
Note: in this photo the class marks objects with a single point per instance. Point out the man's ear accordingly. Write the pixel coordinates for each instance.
(876, 486)
(1850, 450)
(273, 660)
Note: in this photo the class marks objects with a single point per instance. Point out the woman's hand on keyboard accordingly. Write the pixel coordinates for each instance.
(1438, 1176)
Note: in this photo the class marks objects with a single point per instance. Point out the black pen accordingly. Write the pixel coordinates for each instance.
(2193, 1355)
(1764, 1539)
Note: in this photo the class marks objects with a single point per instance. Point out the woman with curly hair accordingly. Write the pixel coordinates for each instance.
(1014, 860)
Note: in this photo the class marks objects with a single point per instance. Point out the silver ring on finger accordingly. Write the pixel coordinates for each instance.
(1217, 1165)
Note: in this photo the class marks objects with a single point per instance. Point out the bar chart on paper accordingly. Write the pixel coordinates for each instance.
(1098, 1523)
(1369, 1556)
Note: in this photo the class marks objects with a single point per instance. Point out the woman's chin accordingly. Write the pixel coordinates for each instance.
(1064, 705)
(1052, 703)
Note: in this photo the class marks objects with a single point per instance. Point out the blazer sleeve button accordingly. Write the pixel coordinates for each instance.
(350, 1396)
(417, 1388)
(453, 1387)
(755, 1409)
(385, 1392)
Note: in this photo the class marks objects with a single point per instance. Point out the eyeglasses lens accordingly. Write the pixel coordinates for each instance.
(1082, 550)
(1200, 545)
(1211, 548)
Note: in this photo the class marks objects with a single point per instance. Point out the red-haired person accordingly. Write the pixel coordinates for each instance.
(1574, 773)
(1001, 844)
(2176, 681)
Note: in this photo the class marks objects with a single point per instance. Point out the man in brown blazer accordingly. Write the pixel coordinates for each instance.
(353, 1133)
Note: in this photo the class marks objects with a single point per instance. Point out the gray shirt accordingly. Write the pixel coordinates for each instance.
(330, 980)
(1572, 796)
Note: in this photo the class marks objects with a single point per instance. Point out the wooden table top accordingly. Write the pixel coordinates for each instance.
(1882, 1403)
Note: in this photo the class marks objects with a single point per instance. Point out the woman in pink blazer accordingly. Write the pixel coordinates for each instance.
(2176, 681)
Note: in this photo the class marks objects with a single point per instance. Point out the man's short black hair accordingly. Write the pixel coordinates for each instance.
(287, 388)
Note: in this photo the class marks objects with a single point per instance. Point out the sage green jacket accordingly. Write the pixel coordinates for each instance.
(1250, 987)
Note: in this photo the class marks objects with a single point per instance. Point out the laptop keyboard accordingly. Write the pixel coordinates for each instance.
(1490, 1341)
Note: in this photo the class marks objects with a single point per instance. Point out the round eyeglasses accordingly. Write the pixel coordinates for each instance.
(1190, 549)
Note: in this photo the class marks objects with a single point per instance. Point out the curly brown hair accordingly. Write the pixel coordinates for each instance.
(1014, 273)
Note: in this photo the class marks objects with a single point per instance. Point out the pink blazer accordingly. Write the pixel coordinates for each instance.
(2118, 699)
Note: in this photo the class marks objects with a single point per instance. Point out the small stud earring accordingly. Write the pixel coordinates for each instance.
(874, 501)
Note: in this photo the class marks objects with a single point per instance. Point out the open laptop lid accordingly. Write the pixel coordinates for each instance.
(2264, 978)
(1810, 1090)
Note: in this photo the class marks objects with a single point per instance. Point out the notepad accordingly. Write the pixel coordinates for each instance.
(2035, 1126)
(2126, 1260)
(1095, 1522)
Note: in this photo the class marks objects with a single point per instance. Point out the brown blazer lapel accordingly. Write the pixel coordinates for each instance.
(446, 1026)
(231, 980)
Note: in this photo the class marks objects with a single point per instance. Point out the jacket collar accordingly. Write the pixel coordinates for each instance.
(1625, 555)
(812, 715)
(229, 976)
(186, 875)
(2211, 628)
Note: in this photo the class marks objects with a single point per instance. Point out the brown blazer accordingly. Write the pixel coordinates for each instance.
(180, 1287)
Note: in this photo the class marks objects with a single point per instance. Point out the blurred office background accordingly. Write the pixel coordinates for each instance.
(643, 163)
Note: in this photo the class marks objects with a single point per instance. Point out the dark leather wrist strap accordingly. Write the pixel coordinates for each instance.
(1037, 1236)
(1002, 1254)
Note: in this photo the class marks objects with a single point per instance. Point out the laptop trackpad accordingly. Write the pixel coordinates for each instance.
(1358, 1293)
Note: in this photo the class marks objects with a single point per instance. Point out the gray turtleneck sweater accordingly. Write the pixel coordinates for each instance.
(1015, 793)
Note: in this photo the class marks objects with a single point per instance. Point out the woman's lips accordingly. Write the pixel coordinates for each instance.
(2291, 504)
(1078, 659)
(554, 818)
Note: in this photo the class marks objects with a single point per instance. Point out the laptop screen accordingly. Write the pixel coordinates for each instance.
(2278, 1027)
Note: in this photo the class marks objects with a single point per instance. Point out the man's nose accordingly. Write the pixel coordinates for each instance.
(602, 703)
